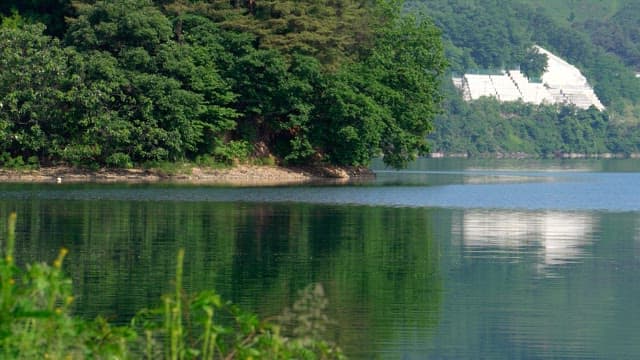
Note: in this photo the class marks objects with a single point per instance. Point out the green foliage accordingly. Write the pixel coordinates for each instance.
(36, 322)
(18, 162)
(35, 313)
(51, 13)
(137, 81)
(233, 151)
(163, 100)
(352, 122)
(276, 98)
(483, 33)
(486, 127)
(328, 30)
(166, 329)
(37, 87)
(384, 105)
(14, 21)
(617, 35)
(534, 64)
(488, 34)
(576, 11)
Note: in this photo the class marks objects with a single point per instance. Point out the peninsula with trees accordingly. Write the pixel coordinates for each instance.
(127, 83)
(327, 84)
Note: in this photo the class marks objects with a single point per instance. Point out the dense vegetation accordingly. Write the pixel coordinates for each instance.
(138, 81)
(486, 127)
(132, 81)
(612, 25)
(488, 34)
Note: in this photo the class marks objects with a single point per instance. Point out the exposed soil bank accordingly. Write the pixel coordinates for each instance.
(241, 175)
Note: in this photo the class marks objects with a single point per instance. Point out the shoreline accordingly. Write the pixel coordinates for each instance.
(240, 175)
(522, 155)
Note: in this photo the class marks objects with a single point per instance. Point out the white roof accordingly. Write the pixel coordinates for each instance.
(561, 83)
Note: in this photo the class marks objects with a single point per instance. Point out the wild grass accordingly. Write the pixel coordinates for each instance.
(36, 321)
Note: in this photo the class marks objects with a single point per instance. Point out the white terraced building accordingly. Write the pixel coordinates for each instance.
(561, 83)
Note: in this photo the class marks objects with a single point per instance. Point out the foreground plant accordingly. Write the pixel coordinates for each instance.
(188, 328)
(35, 316)
(36, 322)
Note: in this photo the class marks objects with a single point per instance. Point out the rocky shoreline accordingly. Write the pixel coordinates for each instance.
(241, 175)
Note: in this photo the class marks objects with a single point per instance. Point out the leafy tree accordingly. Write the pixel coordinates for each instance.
(487, 127)
(386, 103)
(329, 30)
(137, 80)
(487, 30)
(619, 34)
(14, 21)
(37, 87)
(275, 98)
(165, 98)
(534, 64)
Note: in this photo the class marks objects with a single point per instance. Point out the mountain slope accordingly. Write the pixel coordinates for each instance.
(492, 34)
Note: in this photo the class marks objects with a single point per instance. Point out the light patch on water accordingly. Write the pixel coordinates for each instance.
(555, 237)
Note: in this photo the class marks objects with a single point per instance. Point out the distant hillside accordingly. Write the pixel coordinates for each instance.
(600, 37)
(575, 11)
(490, 34)
(612, 25)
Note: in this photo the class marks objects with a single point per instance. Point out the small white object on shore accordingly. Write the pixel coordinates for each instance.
(59, 180)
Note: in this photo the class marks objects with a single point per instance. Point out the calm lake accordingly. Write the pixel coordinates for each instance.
(449, 259)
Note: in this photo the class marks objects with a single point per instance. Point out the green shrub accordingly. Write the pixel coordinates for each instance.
(246, 336)
(35, 316)
(119, 160)
(17, 163)
(232, 152)
(269, 160)
(209, 161)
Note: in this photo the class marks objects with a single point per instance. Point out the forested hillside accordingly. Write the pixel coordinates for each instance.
(124, 82)
(612, 25)
(599, 37)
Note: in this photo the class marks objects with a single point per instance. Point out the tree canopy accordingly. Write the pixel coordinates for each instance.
(124, 82)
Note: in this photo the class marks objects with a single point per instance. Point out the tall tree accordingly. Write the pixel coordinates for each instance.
(37, 90)
(534, 64)
(165, 97)
(329, 30)
(385, 104)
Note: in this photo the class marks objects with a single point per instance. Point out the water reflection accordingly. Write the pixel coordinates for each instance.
(445, 269)
(556, 237)
(379, 265)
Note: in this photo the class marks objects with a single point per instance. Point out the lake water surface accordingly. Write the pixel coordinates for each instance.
(448, 259)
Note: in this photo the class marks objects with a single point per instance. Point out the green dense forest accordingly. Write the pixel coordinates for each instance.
(599, 37)
(133, 82)
(128, 82)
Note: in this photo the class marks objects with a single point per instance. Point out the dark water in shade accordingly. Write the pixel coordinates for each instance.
(448, 259)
